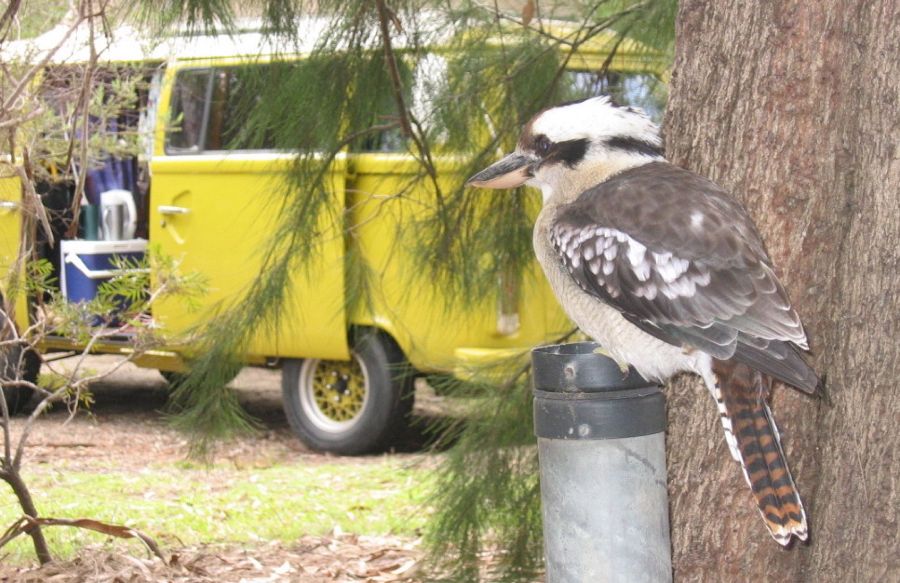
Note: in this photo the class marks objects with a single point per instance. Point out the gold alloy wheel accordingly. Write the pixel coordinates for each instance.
(333, 393)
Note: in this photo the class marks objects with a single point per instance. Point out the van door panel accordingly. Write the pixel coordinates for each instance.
(215, 211)
(10, 233)
(10, 221)
(410, 308)
(215, 214)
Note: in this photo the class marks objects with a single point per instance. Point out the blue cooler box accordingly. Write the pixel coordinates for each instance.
(87, 264)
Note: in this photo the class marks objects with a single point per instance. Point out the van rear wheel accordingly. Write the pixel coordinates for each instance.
(350, 407)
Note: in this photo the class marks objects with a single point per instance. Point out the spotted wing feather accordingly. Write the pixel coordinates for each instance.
(683, 261)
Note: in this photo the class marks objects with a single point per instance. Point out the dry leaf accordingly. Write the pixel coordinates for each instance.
(527, 12)
(23, 524)
(255, 564)
(285, 568)
(409, 564)
(310, 559)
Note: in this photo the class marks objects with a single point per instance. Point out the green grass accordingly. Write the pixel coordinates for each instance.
(175, 504)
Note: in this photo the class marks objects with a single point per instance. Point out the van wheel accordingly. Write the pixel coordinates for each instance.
(350, 407)
(17, 397)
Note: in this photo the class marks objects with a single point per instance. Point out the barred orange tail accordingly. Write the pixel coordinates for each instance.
(753, 437)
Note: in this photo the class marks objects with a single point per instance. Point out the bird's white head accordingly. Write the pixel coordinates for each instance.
(575, 145)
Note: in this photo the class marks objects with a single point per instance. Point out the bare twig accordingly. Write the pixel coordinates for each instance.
(7, 451)
(34, 204)
(85, 121)
(535, 26)
(6, 19)
(14, 530)
(11, 330)
(26, 79)
(17, 121)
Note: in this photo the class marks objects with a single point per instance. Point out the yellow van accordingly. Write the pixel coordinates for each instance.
(213, 209)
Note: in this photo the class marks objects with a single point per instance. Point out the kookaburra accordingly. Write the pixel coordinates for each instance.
(667, 273)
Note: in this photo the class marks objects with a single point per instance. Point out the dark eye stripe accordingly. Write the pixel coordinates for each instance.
(570, 152)
(634, 146)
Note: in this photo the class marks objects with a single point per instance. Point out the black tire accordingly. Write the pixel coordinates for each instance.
(365, 416)
(18, 397)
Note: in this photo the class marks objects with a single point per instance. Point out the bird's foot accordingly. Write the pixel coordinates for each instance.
(623, 366)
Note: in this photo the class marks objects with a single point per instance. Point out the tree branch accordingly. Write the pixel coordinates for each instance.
(410, 126)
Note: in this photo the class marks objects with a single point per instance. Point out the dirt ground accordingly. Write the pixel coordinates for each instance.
(127, 411)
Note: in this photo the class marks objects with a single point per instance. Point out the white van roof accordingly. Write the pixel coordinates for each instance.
(126, 44)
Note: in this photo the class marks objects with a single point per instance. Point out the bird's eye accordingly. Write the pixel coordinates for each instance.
(542, 145)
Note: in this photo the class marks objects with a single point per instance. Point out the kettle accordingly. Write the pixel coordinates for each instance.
(125, 198)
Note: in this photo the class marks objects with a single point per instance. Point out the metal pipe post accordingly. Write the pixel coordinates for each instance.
(603, 468)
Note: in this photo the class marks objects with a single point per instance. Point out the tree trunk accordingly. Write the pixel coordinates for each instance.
(26, 503)
(793, 106)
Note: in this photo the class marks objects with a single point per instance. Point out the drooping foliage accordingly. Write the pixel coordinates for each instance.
(450, 84)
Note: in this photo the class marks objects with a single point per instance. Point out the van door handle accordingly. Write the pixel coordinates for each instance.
(165, 209)
(8, 204)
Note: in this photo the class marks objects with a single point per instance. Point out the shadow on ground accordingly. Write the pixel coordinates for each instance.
(142, 394)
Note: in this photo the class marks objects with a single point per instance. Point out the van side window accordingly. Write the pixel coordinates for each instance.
(384, 112)
(189, 100)
(235, 98)
(211, 108)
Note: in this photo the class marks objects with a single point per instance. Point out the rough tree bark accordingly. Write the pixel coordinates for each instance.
(794, 107)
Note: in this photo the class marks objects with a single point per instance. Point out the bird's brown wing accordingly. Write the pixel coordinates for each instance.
(678, 257)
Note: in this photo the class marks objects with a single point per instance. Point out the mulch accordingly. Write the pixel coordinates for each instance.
(338, 557)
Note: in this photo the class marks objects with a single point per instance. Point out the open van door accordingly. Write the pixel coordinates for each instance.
(13, 363)
(214, 210)
(10, 231)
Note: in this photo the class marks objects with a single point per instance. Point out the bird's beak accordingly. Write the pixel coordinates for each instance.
(509, 172)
